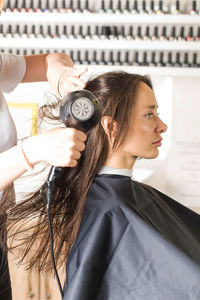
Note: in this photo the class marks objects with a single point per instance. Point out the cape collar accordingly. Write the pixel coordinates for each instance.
(109, 170)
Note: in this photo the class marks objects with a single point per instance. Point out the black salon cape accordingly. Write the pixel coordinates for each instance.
(134, 244)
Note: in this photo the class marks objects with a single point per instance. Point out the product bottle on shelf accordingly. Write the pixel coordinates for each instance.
(161, 62)
(169, 62)
(163, 36)
(181, 36)
(193, 10)
(185, 63)
(152, 62)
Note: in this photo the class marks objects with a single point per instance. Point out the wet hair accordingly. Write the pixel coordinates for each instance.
(117, 92)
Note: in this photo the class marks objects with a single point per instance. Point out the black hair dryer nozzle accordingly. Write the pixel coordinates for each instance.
(80, 110)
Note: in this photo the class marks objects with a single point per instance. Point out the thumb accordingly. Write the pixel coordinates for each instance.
(80, 71)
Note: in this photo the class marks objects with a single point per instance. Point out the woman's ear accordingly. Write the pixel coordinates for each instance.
(109, 126)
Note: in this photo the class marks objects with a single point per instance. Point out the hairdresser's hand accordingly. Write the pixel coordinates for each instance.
(59, 147)
(70, 81)
(62, 76)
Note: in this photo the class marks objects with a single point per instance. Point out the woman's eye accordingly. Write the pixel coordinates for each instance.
(149, 115)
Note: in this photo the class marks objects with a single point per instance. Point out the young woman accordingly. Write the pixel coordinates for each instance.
(122, 239)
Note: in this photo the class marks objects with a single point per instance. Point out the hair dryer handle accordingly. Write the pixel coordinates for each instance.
(54, 174)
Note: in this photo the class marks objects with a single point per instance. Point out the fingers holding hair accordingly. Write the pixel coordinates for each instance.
(70, 80)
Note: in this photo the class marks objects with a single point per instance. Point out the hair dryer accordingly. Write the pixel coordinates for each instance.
(80, 110)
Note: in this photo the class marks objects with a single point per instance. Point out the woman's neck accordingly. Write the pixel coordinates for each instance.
(120, 161)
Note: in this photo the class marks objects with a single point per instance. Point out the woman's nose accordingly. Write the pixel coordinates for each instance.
(162, 127)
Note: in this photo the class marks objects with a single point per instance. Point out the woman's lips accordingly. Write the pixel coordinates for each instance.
(157, 143)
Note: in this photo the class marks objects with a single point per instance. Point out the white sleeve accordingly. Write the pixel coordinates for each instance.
(12, 70)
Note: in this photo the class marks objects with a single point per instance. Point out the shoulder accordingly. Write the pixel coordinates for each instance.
(8, 59)
(169, 202)
(175, 205)
(106, 215)
(12, 70)
(105, 209)
(105, 201)
(108, 197)
(104, 224)
(111, 189)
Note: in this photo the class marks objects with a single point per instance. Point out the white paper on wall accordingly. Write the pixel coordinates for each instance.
(183, 168)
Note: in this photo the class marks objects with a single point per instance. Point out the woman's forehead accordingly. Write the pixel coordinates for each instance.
(145, 97)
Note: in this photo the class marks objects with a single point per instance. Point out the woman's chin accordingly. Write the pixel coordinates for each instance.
(155, 154)
(151, 155)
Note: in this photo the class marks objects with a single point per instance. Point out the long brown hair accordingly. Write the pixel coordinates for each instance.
(116, 92)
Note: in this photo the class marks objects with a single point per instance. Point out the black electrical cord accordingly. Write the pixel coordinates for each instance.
(52, 250)
(50, 187)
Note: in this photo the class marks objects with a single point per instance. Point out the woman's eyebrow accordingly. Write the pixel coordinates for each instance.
(152, 106)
